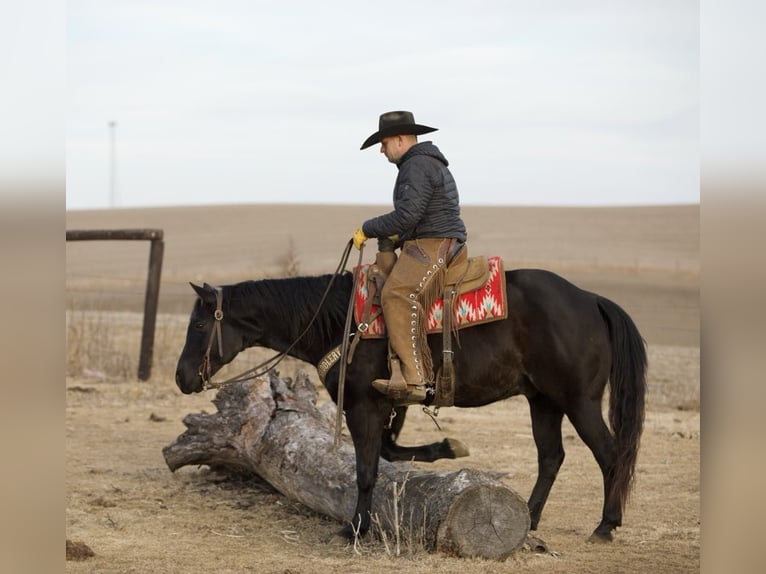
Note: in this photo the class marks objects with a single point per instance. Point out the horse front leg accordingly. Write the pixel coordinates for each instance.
(391, 432)
(365, 421)
(390, 451)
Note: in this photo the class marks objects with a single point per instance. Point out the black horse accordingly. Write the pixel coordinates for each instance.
(559, 347)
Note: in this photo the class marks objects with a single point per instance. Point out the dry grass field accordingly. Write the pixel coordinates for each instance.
(137, 516)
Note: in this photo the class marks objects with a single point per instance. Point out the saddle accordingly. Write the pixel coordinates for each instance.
(464, 274)
(474, 293)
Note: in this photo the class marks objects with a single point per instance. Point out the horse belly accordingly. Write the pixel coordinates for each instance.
(481, 379)
(488, 363)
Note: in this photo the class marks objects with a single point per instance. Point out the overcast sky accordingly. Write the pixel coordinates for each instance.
(537, 103)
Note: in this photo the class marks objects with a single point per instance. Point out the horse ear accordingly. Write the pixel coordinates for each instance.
(206, 293)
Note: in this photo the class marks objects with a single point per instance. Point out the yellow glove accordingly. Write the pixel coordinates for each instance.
(359, 238)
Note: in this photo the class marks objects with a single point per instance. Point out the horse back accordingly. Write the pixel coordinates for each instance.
(559, 327)
(542, 295)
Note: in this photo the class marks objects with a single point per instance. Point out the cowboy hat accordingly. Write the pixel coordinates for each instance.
(395, 124)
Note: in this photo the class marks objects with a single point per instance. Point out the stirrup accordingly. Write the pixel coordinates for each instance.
(401, 395)
(392, 388)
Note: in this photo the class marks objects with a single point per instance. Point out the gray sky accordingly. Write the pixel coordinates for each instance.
(538, 103)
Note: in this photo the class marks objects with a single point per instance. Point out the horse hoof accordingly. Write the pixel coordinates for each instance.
(458, 449)
(337, 540)
(600, 537)
(347, 533)
(535, 544)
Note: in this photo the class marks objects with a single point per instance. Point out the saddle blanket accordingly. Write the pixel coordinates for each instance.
(483, 305)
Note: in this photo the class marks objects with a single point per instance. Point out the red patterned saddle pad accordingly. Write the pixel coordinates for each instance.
(483, 305)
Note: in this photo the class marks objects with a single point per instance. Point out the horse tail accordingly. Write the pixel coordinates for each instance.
(627, 385)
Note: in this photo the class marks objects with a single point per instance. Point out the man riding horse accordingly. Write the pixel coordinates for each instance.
(559, 346)
(426, 225)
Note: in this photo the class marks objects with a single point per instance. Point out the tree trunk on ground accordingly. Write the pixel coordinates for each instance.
(274, 430)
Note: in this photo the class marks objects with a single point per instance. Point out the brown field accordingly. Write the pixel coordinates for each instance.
(137, 516)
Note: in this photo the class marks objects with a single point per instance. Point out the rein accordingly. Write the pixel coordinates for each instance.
(264, 367)
(344, 354)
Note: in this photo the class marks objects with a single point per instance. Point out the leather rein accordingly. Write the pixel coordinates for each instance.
(264, 367)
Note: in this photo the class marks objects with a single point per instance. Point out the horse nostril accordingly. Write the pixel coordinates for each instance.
(185, 385)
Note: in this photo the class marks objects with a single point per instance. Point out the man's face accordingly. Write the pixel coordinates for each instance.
(393, 148)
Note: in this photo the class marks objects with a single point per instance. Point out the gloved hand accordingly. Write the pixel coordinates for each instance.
(359, 238)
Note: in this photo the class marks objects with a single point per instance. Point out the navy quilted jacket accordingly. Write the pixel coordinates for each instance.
(426, 202)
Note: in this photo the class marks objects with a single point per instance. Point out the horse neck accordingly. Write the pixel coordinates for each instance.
(273, 313)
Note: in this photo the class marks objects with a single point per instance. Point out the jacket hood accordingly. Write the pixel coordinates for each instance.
(424, 148)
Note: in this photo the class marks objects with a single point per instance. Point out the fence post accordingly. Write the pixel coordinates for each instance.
(150, 309)
(151, 301)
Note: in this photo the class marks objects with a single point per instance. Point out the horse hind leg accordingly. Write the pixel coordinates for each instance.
(590, 426)
(546, 429)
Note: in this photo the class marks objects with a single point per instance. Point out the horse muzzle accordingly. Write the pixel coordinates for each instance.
(189, 385)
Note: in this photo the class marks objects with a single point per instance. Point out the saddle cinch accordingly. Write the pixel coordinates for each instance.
(474, 293)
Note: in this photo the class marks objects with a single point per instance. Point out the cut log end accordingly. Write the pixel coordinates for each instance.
(486, 521)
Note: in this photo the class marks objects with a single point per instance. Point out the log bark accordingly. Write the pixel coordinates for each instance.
(273, 429)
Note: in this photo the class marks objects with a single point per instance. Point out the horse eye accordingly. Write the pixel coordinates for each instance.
(199, 325)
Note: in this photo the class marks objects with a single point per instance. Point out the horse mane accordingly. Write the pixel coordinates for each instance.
(292, 302)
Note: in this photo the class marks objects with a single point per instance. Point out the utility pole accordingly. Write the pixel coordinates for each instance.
(112, 164)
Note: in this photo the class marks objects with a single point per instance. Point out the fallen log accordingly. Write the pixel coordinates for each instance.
(274, 429)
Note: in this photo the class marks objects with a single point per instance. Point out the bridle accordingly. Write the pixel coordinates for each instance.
(264, 367)
(204, 368)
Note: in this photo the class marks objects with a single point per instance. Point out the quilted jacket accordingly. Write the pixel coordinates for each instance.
(426, 202)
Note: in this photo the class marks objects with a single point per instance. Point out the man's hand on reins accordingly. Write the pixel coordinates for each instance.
(359, 238)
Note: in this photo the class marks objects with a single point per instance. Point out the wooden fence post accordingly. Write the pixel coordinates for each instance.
(151, 300)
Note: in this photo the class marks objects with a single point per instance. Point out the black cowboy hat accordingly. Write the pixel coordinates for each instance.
(395, 124)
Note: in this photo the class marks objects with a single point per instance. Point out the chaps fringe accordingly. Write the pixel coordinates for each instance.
(433, 289)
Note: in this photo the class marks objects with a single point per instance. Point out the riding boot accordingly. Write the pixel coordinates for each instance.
(405, 376)
(397, 387)
(412, 285)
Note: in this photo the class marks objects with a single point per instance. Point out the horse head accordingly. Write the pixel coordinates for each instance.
(211, 342)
